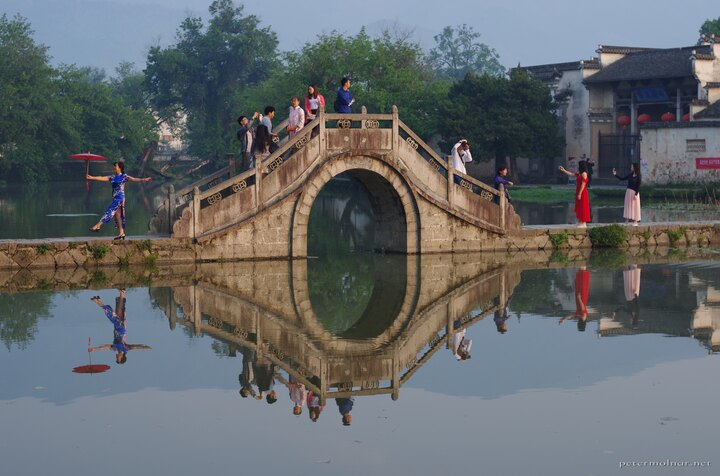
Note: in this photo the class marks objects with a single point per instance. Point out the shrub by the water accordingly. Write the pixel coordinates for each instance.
(611, 236)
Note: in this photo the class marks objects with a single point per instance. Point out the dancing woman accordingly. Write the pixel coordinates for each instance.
(117, 207)
(582, 199)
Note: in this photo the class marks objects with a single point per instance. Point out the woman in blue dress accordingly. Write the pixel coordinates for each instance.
(117, 207)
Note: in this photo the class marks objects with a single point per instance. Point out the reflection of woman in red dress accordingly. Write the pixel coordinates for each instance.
(582, 289)
(582, 200)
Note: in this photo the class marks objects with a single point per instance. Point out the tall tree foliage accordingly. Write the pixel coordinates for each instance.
(385, 71)
(27, 106)
(196, 79)
(458, 52)
(503, 118)
(47, 113)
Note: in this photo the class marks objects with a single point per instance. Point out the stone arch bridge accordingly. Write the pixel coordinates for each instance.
(420, 203)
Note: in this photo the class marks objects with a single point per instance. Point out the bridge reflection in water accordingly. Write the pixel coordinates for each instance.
(366, 332)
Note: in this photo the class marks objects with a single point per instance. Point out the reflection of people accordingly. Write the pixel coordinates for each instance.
(116, 209)
(582, 289)
(631, 210)
(314, 406)
(582, 199)
(461, 346)
(345, 406)
(117, 318)
(501, 315)
(248, 387)
(631, 286)
(265, 378)
(298, 395)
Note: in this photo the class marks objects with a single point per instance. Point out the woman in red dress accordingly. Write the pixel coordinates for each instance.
(582, 200)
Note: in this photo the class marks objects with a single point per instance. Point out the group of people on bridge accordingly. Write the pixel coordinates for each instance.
(256, 136)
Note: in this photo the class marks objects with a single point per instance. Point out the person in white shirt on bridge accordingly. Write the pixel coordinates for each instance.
(461, 155)
(296, 117)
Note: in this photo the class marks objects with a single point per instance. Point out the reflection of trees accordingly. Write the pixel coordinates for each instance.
(340, 288)
(32, 205)
(19, 314)
(536, 292)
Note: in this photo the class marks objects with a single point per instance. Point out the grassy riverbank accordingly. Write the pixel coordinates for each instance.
(671, 194)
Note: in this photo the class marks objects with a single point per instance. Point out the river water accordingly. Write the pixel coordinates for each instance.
(563, 364)
(573, 369)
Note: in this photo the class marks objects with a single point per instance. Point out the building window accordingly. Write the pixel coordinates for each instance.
(695, 145)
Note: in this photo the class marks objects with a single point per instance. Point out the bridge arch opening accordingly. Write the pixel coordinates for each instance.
(372, 194)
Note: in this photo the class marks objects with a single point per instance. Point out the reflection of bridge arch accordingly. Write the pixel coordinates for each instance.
(452, 296)
(393, 203)
(403, 301)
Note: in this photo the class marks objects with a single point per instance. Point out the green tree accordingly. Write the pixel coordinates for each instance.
(29, 107)
(459, 52)
(710, 27)
(46, 113)
(196, 79)
(386, 70)
(503, 118)
(102, 119)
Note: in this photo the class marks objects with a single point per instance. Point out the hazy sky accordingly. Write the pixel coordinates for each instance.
(104, 32)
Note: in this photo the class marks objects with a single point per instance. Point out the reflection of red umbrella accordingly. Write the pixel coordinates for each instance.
(91, 368)
(87, 158)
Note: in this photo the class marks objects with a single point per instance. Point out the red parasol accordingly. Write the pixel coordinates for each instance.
(87, 157)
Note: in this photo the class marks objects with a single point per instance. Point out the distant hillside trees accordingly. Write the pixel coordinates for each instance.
(458, 52)
(48, 113)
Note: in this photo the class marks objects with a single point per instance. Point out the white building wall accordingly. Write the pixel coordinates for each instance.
(577, 124)
(666, 157)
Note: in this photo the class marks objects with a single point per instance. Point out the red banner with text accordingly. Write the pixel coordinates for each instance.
(707, 163)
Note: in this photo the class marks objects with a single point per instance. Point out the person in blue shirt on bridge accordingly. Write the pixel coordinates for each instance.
(502, 172)
(344, 99)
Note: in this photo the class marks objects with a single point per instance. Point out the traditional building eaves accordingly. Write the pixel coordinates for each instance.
(622, 50)
(647, 64)
(710, 112)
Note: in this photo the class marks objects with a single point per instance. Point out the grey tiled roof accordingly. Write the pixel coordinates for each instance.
(710, 112)
(545, 72)
(650, 64)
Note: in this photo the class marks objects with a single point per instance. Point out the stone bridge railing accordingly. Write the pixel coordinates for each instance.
(219, 202)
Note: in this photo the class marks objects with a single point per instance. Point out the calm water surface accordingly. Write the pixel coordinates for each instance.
(64, 209)
(573, 369)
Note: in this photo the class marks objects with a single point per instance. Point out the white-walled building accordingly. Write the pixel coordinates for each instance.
(660, 107)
